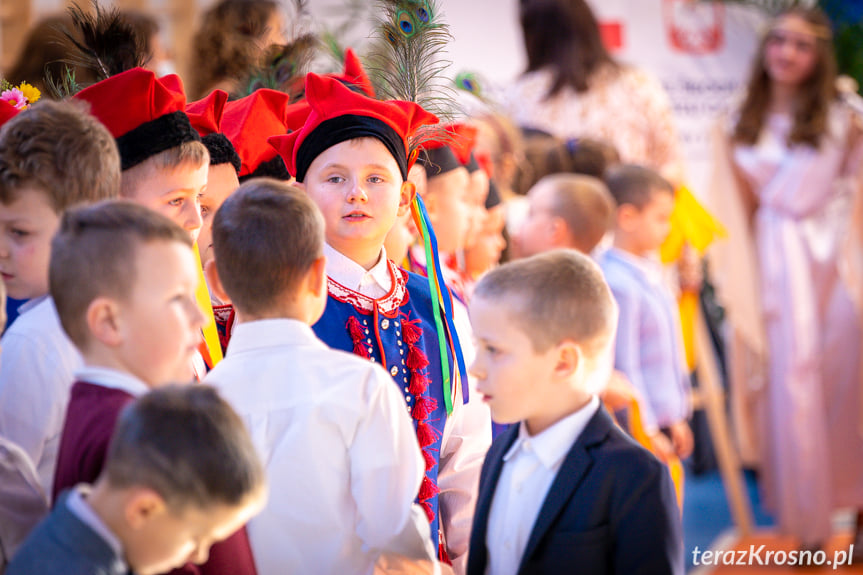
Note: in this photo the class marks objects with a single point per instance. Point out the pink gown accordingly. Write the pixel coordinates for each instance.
(791, 305)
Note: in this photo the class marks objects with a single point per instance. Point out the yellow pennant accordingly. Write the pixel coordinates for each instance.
(691, 224)
(211, 333)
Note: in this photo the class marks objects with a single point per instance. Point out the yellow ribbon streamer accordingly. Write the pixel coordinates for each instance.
(211, 333)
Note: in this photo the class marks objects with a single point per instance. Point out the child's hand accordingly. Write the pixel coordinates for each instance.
(661, 446)
(681, 438)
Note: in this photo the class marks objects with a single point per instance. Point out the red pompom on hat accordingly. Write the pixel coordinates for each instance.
(7, 112)
(336, 114)
(145, 114)
(205, 116)
(249, 121)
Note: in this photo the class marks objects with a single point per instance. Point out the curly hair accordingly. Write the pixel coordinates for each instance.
(228, 42)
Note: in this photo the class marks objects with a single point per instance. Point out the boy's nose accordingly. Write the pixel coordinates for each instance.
(192, 218)
(357, 194)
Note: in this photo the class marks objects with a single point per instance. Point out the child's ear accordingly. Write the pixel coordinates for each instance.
(143, 505)
(214, 281)
(318, 276)
(300, 185)
(569, 358)
(559, 231)
(408, 192)
(103, 321)
(626, 217)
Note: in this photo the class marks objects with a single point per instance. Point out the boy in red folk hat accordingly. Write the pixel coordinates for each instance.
(351, 155)
(165, 168)
(206, 116)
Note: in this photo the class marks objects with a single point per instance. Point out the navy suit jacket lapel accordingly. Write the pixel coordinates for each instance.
(486, 494)
(572, 471)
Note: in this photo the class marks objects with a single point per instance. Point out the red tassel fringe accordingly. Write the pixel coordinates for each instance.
(428, 489)
(423, 407)
(425, 435)
(430, 460)
(416, 358)
(357, 334)
(411, 332)
(419, 383)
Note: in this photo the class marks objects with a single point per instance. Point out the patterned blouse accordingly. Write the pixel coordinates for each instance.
(627, 108)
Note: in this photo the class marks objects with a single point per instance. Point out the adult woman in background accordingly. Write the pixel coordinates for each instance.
(230, 41)
(573, 88)
(787, 174)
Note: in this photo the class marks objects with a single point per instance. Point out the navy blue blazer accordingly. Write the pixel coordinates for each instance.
(64, 545)
(610, 509)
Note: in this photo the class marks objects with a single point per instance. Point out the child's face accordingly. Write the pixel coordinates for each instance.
(536, 234)
(514, 380)
(791, 51)
(26, 228)
(649, 226)
(485, 253)
(221, 182)
(477, 194)
(449, 209)
(170, 540)
(160, 321)
(359, 189)
(175, 194)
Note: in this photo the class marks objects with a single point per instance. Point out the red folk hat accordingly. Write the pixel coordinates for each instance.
(145, 114)
(205, 116)
(249, 121)
(355, 74)
(7, 112)
(335, 114)
(450, 151)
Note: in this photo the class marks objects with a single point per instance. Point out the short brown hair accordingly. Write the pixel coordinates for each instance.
(561, 295)
(93, 255)
(188, 445)
(635, 185)
(585, 204)
(266, 236)
(192, 153)
(59, 148)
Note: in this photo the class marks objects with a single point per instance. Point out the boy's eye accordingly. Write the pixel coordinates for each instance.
(19, 232)
(335, 179)
(375, 180)
(204, 210)
(177, 202)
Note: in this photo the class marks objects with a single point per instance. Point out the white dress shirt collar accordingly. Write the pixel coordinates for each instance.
(107, 377)
(30, 304)
(650, 268)
(552, 444)
(78, 506)
(375, 283)
(270, 333)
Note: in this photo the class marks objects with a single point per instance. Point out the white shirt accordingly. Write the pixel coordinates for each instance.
(529, 469)
(37, 366)
(112, 378)
(342, 459)
(466, 435)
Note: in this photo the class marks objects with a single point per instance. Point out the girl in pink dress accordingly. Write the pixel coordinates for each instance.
(787, 177)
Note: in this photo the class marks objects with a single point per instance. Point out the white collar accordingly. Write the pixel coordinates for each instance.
(77, 504)
(649, 267)
(108, 377)
(353, 276)
(552, 444)
(260, 333)
(31, 303)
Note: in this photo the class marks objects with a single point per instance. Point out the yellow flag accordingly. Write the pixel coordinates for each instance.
(211, 333)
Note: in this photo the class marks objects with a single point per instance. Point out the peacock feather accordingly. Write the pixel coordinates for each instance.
(283, 67)
(108, 43)
(407, 58)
